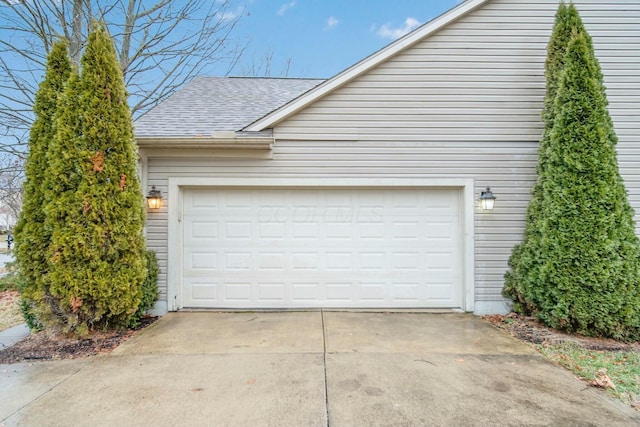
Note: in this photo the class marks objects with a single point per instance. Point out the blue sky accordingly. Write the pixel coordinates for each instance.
(320, 38)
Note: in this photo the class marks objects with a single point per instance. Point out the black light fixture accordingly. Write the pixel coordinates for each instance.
(154, 198)
(487, 199)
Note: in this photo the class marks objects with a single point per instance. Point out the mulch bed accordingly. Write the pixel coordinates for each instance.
(530, 330)
(44, 346)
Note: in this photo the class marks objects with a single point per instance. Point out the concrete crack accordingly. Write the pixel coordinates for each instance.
(40, 396)
(324, 354)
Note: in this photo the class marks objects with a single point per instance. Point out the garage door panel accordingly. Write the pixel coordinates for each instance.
(306, 292)
(203, 289)
(240, 201)
(238, 261)
(338, 231)
(406, 292)
(372, 292)
(439, 261)
(201, 260)
(237, 292)
(371, 231)
(281, 248)
(238, 231)
(341, 292)
(439, 291)
(272, 292)
(202, 230)
(271, 261)
(305, 261)
(309, 231)
(202, 200)
(372, 261)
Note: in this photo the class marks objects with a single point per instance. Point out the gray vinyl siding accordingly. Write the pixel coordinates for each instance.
(463, 103)
(157, 233)
(466, 102)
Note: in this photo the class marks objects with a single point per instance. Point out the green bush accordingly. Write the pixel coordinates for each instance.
(12, 280)
(522, 280)
(578, 268)
(32, 237)
(149, 288)
(15, 281)
(94, 202)
(28, 310)
(591, 275)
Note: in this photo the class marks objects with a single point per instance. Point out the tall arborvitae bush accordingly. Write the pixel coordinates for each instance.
(590, 278)
(62, 178)
(32, 237)
(521, 282)
(95, 206)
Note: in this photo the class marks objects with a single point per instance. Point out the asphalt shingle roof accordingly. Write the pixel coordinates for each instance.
(212, 104)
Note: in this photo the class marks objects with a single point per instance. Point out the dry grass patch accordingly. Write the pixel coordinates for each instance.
(618, 372)
(604, 363)
(10, 310)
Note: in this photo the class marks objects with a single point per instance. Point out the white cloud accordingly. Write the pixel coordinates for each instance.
(387, 31)
(332, 22)
(231, 15)
(285, 7)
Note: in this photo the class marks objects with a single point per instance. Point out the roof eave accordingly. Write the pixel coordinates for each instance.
(228, 140)
(366, 64)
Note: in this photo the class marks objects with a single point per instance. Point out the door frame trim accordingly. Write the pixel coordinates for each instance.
(176, 187)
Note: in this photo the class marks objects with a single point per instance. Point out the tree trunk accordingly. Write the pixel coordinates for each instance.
(75, 43)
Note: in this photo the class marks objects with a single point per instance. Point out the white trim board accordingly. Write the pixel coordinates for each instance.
(175, 238)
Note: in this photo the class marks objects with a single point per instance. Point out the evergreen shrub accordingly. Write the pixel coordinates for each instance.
(150, 291)
(94, 203)
(578, 268)
(32, 238)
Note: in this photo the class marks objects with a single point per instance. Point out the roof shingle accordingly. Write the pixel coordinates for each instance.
(212, 104)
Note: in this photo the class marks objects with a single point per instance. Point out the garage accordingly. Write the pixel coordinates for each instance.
(251, 248)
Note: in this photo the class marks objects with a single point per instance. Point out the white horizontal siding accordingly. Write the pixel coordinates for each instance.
(463, 103)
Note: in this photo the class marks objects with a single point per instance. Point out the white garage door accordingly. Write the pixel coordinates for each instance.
(346, 248)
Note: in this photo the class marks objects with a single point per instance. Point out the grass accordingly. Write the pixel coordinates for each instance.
(10, 314)
(10, 281)
(3, 244)
(622, 367)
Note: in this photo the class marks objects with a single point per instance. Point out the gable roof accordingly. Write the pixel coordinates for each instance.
(272, 118)
(208, 105)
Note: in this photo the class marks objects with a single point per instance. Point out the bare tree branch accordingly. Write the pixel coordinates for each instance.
(161, 45)
(263, 67)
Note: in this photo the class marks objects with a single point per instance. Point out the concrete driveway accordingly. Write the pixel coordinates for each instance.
(307, 369)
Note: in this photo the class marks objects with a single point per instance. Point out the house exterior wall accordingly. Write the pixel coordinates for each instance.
(463, 103)
(466, 102)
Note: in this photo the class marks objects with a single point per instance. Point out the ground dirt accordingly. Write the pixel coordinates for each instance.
(528, 329)
(45, 346)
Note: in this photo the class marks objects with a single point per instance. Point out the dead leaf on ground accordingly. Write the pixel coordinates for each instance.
(602, 380)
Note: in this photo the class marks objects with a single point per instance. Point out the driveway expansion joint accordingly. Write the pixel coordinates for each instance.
(324, 359)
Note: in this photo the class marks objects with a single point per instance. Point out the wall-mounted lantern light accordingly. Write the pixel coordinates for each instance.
(154, 198)
(487, 199)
